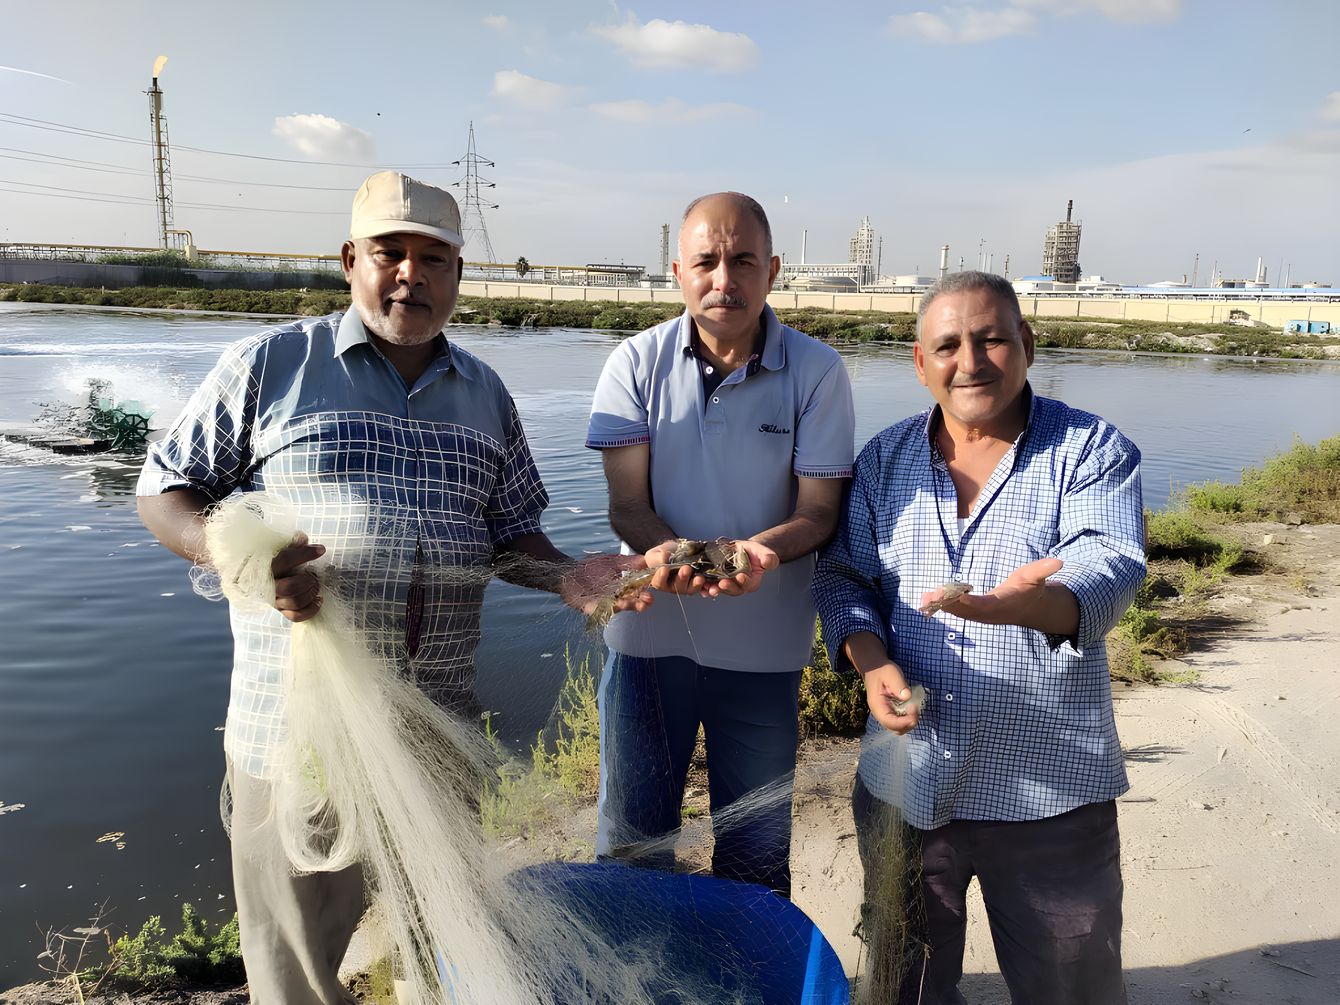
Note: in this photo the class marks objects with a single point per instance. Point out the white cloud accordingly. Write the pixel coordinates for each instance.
(529, 92)
(1331, 110)
(681, 46)
(320, 136)
(963, 25)
(498, 21)
(670, 110)
(1125, 11)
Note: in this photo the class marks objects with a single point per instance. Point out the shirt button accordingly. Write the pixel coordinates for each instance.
(708, 369)
(951, 635)
(948, 696)
(716, 401)
(948, 755)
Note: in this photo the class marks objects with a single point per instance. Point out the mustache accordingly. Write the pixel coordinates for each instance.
(723, 300)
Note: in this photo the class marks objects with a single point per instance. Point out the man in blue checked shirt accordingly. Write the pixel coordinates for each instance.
(1011, 769)
(404, 460)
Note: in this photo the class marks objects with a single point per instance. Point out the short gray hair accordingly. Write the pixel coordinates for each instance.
(970, 282)
(746, 202)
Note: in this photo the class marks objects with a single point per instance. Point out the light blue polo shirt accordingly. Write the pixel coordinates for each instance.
(727, 467)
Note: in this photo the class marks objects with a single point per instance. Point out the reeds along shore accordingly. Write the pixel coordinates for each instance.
(828, 325)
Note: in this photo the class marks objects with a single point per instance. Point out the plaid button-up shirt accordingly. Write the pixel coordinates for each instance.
(400, 484)
(1018, 725)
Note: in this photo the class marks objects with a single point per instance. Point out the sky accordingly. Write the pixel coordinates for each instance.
(1178, 127)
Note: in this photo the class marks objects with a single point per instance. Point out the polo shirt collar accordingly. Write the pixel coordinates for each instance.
(774, 346)
(353, 332)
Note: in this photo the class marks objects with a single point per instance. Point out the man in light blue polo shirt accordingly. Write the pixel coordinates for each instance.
(720, 423)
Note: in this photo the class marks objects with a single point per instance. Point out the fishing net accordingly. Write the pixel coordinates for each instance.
(369, 770)
(893, 923)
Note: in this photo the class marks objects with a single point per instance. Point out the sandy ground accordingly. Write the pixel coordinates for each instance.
(1230, 832)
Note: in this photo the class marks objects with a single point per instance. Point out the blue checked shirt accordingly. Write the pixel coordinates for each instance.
(1018, 725)
(400, 484)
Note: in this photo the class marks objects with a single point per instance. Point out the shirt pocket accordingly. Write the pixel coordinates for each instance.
(1026, 541)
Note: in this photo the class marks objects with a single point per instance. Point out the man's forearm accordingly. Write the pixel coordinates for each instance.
(638, 525)
(531, 560)
(802, 534)
(177, 519)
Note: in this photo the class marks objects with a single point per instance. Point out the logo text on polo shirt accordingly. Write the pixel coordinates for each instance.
(768, 427)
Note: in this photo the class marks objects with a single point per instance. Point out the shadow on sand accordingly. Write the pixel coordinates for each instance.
(1304, 973)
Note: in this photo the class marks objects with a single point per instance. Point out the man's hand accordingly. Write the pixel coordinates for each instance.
(586, 583)
(297, 594)
(885, 685)
(1025, 598)
(685, 581)
(884, 681)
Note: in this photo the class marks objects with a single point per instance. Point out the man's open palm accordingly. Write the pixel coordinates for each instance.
(1022, 599)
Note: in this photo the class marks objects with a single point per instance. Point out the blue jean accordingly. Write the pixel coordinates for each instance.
(650, 710)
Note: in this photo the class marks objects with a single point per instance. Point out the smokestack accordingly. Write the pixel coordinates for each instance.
(804, 237)
(1068, 207)
(944, 261)
(1260, 270)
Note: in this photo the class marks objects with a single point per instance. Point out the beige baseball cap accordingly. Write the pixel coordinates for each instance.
(390, 203)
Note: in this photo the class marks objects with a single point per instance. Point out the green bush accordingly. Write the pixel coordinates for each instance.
(831, 701)
(1303, 481)
(1180, 536)
(309, 302)
(626, 318)
(196, 955)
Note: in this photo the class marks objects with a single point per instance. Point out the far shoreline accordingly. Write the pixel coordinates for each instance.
(836, 338)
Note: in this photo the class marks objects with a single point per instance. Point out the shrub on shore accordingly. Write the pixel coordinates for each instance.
(1300, 485)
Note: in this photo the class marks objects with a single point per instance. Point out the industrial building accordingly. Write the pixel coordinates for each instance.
(1060, 252)
(859, 270)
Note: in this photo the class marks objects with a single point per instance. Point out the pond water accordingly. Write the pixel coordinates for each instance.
(114, 675)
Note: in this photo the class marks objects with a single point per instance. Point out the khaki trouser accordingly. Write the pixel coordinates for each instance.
(295, 929)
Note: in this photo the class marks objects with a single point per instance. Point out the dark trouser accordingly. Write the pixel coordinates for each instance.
(650, 710)
(1052, 890)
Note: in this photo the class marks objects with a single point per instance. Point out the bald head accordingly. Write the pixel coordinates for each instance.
(741, 202)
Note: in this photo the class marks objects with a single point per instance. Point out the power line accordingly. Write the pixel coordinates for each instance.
(80, 198)
(59, 127)
(130, 200)
(80, 191)
(72, 161)
(56, 160)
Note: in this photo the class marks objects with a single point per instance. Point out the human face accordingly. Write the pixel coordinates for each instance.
(404, 285)
(724, 270)
(974, 354)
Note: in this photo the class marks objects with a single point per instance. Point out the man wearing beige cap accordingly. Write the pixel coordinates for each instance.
(402, 455)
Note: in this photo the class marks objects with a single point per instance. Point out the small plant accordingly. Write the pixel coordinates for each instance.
(564, 763)
(575, 760)
(66, 954)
